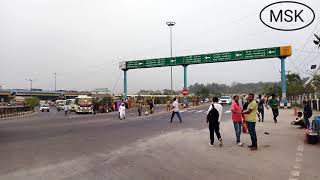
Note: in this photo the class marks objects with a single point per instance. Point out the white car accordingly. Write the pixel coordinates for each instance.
(225, 100)
(44, 107)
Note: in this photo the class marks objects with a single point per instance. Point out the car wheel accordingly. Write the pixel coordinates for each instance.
(48, 110)
(41, 110)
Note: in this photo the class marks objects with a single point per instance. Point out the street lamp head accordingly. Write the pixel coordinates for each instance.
(170, 23)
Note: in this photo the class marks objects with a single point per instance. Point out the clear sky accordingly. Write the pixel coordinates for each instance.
(84, 40)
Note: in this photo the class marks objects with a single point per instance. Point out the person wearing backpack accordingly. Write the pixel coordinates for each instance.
(213, 118)
(307, 113)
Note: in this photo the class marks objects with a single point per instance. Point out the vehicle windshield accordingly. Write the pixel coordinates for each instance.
(225, 97)
(85, 102)
(71, 101)
(45, 105)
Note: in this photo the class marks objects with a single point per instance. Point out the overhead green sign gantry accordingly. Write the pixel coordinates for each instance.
(273, 52)
(209, 58)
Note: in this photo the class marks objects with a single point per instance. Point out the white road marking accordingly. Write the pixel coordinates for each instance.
(183, 111)
(293, 179)
(192, 110)
(227, 112)
(298, 159)
(299, 154)
(300, 148)
(295, 173)
(199, 111)
(297, 166)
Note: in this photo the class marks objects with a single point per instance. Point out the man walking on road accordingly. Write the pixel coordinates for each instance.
(274, 104)
(261, 104)
(252, 115)
(175, 108)
(139, 108)
(237, 118)
(213, 118)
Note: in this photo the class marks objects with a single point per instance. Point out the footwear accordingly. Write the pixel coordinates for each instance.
(210, 144)
(253, 149)
(220, 142)
(250, 146)
(240, 144)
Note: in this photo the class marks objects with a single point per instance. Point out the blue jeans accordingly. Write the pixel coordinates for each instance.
(307, 122)
(237, 128)
(173, 113)
(252, 132)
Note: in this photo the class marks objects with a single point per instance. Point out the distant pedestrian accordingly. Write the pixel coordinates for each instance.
(307, 113)
(237, 118)
(139, 108)
(175, 110)
(151, 105)
(214, 115)
(168, 105)
(252, 118)
(261, 104)
(122, 111)
(274, 104)
(94, 107)
(66, 109)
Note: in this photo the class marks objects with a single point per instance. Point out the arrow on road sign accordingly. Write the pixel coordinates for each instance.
(237, 55)
(173, 61)
(207, 57)
(140, 63)
(271, 52)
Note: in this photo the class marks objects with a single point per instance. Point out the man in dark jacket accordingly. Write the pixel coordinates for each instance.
(307, 113)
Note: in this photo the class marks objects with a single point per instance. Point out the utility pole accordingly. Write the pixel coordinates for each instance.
(170, 24)
(55, 81)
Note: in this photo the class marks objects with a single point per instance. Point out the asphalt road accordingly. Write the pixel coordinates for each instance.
(54, 146)
(52, 138)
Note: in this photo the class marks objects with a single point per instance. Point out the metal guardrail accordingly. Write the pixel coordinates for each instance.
(10, 111)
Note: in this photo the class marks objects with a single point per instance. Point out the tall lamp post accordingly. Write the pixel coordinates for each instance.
(170, 24)
(55, 81)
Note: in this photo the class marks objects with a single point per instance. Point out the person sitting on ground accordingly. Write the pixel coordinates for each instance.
(299, 121)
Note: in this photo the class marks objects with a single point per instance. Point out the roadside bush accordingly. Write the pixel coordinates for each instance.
(31, 102)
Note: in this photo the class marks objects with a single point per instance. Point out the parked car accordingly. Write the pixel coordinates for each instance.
(225, 100)
(44, 107)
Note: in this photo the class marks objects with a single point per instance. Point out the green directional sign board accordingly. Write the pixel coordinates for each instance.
(209, 58)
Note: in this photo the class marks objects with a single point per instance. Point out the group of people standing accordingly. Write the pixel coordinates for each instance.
(244, 115)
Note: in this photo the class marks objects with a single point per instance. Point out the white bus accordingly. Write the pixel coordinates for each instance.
(83, 104)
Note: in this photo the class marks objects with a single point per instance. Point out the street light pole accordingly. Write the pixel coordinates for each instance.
(55, 81)
(170, 24)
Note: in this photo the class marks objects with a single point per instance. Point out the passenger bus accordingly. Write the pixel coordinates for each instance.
(83, 104)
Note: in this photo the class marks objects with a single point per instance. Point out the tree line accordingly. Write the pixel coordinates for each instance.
(296, 85)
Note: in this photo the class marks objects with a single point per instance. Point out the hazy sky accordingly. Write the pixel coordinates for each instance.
(84, 40)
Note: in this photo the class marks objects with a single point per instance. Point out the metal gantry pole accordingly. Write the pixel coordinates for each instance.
(185, 78)
(283, 80)
(125, 90)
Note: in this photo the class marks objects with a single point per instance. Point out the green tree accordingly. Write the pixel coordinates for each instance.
(31, 102)
(316, 82)
(294, 84)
